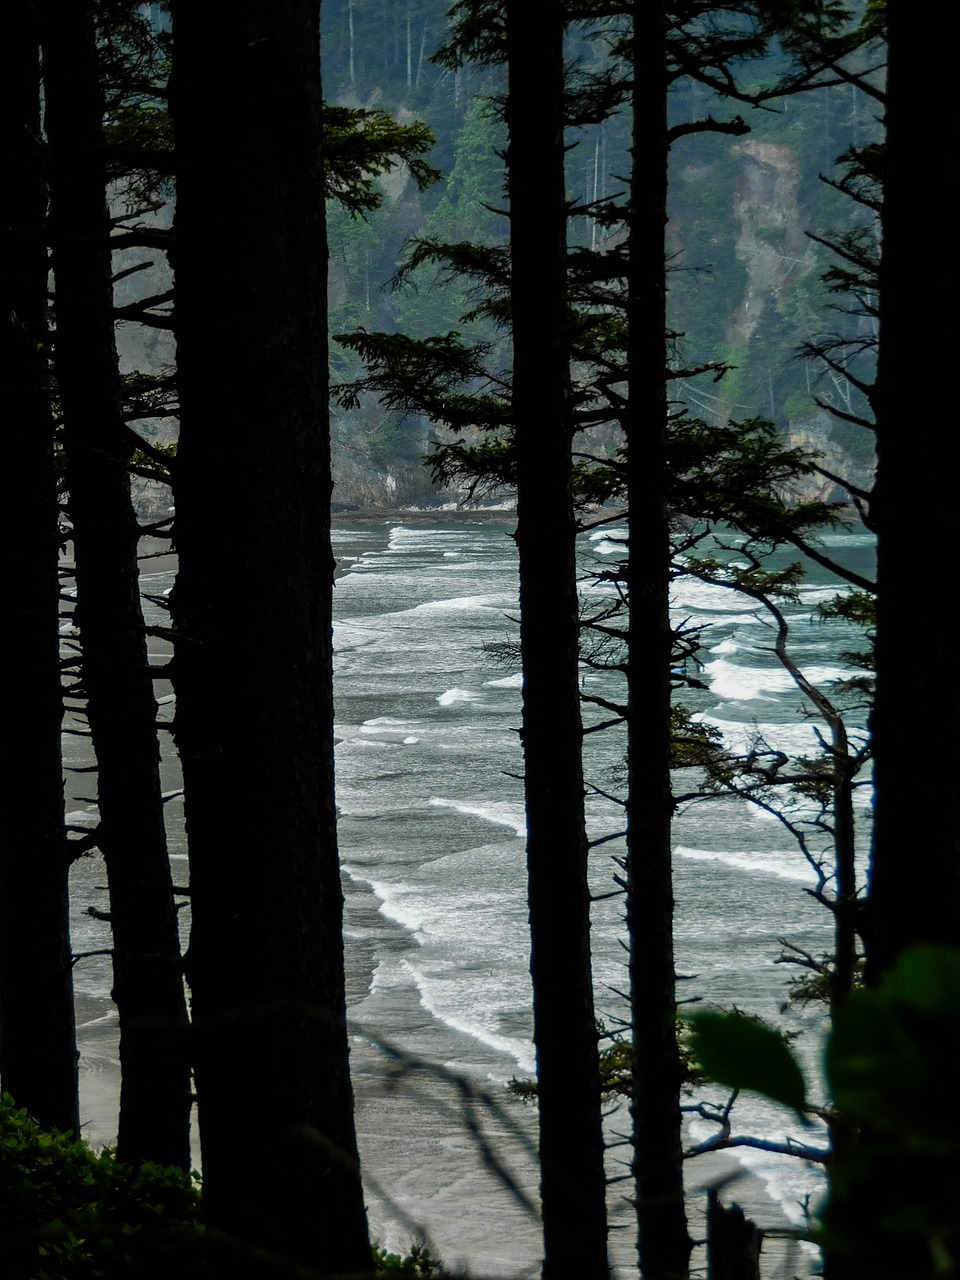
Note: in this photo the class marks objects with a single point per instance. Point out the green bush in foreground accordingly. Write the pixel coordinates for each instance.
(69, 1213)
(419, 1264)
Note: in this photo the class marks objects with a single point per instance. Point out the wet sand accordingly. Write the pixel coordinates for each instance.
(448, 1155)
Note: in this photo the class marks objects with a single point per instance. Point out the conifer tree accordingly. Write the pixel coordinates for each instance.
(573, 1186)
(663, 1241)
(38, 1053)
(254, 676)
(917, 779)
(115, 676)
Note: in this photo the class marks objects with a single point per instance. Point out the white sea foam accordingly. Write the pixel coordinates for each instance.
(462, 604)
(502, 813)
(795, 738)
(506, 682)
(687, 593)
(432, 538)
(406, 905)
(83, 817)
(737, 682)
(811, 595)
(729, 645)
(435, 999)
(469, 979)
(112, 1016)
(453, 696)
(609, 547)
(775, 864)
(617, 531)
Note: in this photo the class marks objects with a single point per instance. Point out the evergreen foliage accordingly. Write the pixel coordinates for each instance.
(68, 1213)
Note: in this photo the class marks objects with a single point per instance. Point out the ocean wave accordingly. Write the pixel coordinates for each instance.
(453, 696)
(501, 813)
(787, 865)
(505, 682)
(737, 682)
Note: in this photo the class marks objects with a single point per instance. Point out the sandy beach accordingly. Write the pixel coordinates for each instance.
(448, 1154)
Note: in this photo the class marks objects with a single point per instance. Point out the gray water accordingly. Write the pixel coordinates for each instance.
(431, 824)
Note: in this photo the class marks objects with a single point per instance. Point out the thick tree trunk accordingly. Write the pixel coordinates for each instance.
(663, 1242)
(148, 988)
(254, 662)
(917, 807)
(571, 1142)
(38, 1052)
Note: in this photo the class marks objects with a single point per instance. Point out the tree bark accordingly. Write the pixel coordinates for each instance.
(663, 1241)
(148, 987)
(571, 1141)
(917, 773)
(253, 667)
(38, 1051)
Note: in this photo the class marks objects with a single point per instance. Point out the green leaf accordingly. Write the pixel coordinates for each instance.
(743, 1053)
(926, 978)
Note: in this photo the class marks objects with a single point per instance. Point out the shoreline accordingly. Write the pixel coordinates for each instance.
(424, 1174)
(429, 515)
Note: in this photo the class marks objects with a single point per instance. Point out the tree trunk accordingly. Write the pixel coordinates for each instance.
(917, 773)
(38, 1051)
(663, 1242)
(253, 667)
(148, 987)
(571, 1141)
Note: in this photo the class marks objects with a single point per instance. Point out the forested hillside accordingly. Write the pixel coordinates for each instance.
(745, 283)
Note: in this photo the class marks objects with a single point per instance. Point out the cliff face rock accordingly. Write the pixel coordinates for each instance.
(815, 436)
(358, 484)
(771, 244)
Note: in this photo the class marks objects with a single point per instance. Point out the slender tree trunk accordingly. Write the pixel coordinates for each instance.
(148, 987)
(571, 1142)
(663, 1241)
(38, 1051)
(353, 79)
(254, 662)
(917, 772)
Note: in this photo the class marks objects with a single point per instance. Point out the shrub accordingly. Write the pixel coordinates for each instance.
(69, 1213)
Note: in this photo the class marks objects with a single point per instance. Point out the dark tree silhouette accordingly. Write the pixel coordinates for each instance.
(253, 676)
(38, 1053)
(663, 1240)
(917, 803)
(571, 1141)
(115, 677)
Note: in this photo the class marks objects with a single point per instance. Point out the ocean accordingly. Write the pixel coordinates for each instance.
(431, 838)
